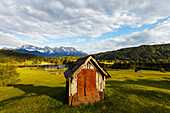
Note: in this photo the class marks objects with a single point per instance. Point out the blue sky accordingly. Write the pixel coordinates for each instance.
(91, 26)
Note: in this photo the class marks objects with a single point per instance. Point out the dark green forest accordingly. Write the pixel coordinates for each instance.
(144, 53)
(148, 57)
(15, 56)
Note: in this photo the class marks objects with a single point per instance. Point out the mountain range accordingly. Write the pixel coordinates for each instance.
(48, 51)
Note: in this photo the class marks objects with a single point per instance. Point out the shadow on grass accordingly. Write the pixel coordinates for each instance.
(57, 93)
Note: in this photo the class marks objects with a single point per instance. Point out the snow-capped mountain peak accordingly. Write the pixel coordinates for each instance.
(48, 51)
(28, 47)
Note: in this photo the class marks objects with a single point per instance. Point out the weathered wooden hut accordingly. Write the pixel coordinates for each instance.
(85, 81)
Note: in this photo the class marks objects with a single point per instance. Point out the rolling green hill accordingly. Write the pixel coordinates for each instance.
(15, 56)
(13, 53)
(144, 53)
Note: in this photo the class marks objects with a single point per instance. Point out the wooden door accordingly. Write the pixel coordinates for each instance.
(86, 82)
(80, 84)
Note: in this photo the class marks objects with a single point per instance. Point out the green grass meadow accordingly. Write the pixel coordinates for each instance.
(127, 91)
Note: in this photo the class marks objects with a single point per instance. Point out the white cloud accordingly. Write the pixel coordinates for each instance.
(156, 35)
(34, 41)
(80, 40)
(10, 40)
(42, 19)
(67, 18)
(59, 44)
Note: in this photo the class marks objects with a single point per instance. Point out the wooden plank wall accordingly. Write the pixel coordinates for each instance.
(100, 83)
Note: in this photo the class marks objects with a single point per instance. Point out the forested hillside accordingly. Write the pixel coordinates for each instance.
(15, 57)
(144, 53)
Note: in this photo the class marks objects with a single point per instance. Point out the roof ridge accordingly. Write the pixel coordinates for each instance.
(78, 65)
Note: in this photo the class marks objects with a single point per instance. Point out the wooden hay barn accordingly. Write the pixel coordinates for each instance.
(85, 81)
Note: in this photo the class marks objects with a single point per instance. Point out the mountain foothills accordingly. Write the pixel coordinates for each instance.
(144, 53)
(49, 52)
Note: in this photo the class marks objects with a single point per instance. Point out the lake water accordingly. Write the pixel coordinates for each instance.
(64, 66)
(55, 66)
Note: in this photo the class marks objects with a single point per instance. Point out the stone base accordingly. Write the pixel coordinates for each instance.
(75, 100)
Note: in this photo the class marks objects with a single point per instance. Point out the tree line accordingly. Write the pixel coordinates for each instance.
(139, 66)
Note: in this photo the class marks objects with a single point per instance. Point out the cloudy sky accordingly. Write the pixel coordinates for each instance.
(89, 25)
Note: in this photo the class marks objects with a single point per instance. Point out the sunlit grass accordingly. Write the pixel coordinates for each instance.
(110, 63)
(127, 91)
(40, 77)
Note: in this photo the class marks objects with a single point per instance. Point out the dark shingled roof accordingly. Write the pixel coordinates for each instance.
(80, 62)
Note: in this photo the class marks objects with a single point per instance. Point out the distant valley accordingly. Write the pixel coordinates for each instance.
(152, 57)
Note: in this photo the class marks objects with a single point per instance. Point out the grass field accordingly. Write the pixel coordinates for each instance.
(127, 91)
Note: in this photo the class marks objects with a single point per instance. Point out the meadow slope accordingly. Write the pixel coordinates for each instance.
(127, 91)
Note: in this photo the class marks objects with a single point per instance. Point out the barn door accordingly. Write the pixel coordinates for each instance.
(80, 84)
(86, 82)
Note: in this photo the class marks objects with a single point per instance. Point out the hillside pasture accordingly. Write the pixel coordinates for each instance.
(127, 91)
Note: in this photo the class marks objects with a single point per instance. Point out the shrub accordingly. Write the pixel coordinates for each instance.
(162, 70)
(8, 75)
